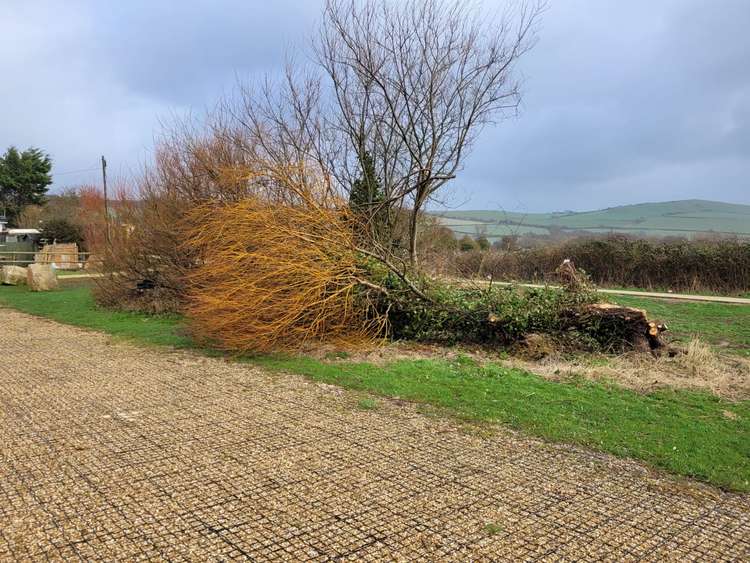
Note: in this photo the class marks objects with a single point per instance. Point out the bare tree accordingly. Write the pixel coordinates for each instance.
(282, 122)
(414, 81)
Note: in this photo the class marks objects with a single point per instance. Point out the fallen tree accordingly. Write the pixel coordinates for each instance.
(283, 265)
(504, 315)
(283, 221)
(617, 327)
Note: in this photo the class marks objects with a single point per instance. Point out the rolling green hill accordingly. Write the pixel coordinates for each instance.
(671, 218)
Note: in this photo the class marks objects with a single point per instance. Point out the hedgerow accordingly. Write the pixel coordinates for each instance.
(721, 265)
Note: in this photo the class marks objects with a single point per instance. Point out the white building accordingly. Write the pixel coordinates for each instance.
(17, 235)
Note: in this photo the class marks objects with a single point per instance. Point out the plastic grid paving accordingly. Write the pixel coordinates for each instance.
(113, 452)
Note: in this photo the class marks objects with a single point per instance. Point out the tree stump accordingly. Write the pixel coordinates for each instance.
(613, 323)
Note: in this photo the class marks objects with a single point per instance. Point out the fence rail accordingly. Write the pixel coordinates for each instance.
(76, 260)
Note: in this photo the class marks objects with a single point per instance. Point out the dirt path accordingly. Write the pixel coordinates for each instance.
(108, 451)
(652, 294)
(679, 296)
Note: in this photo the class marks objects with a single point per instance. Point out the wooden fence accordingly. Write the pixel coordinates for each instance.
(62, 260)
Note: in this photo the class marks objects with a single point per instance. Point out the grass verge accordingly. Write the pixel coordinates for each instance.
(74, 305)
(688, 433)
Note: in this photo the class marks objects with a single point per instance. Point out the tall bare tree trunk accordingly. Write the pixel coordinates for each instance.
(413, 223)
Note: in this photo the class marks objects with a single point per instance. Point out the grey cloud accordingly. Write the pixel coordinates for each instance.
(624, 101)
(184, 51)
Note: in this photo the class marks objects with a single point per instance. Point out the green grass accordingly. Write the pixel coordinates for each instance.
(74, 305)
(722, 324)
(492, 529)
(687, 433)
(656, 289)
(367, 404)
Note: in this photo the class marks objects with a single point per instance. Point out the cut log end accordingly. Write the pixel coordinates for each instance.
(611, 323)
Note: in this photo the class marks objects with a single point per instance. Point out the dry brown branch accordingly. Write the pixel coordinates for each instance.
(277, 276)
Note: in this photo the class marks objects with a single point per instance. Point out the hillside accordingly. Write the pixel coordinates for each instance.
(672, 218)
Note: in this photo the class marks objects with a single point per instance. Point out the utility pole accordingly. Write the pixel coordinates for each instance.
(106, 202)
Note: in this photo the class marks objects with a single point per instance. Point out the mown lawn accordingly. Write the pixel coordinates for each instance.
(724, 325)
(688, 433)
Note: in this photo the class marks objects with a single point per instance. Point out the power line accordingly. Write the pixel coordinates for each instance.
(75, 171)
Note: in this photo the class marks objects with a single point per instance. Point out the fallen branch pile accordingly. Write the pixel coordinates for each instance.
(276, 277)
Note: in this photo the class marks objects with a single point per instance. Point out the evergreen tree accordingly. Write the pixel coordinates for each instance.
(24, 180)
(366, 197)
(62, 230)
(366, 191)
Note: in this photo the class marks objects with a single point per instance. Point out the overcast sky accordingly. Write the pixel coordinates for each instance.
(624, 102)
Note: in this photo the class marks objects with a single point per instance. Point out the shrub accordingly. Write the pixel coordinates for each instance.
(143, 264)
(144, 259)
(467, 244)
(62, 230)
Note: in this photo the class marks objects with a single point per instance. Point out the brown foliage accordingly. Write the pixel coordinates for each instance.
(259, 256)
(92, 218)
(145, 240)
(31, 217)
(276, 276)
(143, 247)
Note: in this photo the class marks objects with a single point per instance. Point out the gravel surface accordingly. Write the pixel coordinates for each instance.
(113, 452)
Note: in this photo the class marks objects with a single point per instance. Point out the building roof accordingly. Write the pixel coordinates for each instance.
(24, 232)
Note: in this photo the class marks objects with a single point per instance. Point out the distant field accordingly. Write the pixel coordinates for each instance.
(490, 230)
(675, 218)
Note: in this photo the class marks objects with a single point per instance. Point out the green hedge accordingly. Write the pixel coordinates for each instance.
(679, 265)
